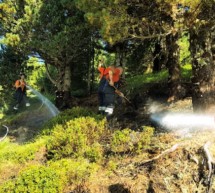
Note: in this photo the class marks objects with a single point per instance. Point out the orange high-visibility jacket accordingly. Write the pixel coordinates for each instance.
(117, 71)
(22, 83)
(102, 71)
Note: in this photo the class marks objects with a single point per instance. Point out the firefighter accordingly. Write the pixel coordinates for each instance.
(20, 93)
(112, 76)
(102, 82)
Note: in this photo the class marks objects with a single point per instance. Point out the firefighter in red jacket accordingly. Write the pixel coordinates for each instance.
(109, 83)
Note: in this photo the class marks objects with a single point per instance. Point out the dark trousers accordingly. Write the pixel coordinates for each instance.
(20, 96)
(101, 94)
(109, 95)
(109, 99)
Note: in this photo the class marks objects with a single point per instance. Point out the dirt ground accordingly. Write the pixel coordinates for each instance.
(28, 124)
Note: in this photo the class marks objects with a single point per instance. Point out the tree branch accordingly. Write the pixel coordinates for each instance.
(48, 74)
(210, 163)
(173, 148)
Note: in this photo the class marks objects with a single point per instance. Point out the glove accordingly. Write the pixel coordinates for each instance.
(119, 93)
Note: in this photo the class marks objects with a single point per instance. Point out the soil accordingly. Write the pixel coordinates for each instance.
(28, 124)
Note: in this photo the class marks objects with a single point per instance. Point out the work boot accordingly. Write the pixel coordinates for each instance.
(15, 108)
(101, 110)
(27, 104)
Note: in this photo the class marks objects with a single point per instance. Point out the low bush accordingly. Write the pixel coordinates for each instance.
(76, 171)
(19, 154)
(122, 140)
(78, 137)
(67, 115)
(35, 179)
(129, 140)
(145, 137)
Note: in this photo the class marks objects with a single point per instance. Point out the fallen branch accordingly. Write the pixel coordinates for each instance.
(173, 148)
(210, 164)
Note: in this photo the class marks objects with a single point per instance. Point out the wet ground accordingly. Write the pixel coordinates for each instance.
(134, 114)
(27, 125)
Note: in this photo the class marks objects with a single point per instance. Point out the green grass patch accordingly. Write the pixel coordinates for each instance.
(186, 72)
(140, 81)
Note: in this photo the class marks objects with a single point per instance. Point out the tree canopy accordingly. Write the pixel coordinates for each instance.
(65, 34)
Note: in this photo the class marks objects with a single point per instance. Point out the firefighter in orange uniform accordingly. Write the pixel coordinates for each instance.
(20, 93)
(112, 76)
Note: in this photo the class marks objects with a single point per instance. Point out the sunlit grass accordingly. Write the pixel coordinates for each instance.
(160, 77)
(140, 80)
(186, 72)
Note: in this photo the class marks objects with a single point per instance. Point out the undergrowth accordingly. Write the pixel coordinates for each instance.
(77, 144)
(139, 81)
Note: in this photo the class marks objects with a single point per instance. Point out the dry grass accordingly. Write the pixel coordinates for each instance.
(181, 171)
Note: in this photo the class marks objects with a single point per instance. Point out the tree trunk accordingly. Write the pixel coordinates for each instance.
(91, 70)
(63, 95)
(156, 55)
(159, 55)
(121, 57)
(174, 80)
(203, 95)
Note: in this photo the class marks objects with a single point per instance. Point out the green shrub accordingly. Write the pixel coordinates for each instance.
(67, 115)
(121, 140)
(94, 152)
(128, 140)
(76, 171)
(35, 179)
(111, 165)
(19, 153)
(75, 137)
(145, 138)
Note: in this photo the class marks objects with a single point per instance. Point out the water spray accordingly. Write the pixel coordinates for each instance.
(183, 120)
(52, 108)
(7, 130)
(182, 123)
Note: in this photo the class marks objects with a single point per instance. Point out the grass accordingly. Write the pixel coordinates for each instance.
(186, 72)
(139, 81)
